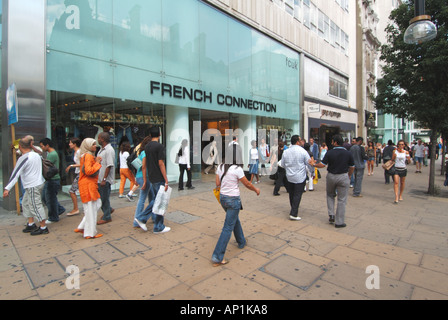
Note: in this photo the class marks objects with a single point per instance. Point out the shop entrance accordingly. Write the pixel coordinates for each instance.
(326, 133)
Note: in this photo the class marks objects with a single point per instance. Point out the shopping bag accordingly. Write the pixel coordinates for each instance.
(316, 176)
(389, 164)
(217, 193)
(137, 163)
(161, 201)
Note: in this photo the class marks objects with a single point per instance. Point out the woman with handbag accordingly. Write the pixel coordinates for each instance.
(88, 189)
(401, 157)
(228, 177)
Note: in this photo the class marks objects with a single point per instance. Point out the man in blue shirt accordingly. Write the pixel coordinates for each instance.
(294, 161)
(314, 148)
(340, 165)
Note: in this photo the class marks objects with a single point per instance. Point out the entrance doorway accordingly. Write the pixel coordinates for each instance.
(326, 133)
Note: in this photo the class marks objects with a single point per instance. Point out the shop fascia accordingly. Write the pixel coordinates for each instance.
(200, 96)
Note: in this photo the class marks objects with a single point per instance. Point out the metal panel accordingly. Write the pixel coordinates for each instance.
(23, 63)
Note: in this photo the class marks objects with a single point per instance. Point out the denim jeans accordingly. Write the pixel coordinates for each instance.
(158, 219)
(232, 206)
(359, 175)
(143, 214)
(50, 199)
(105, 201)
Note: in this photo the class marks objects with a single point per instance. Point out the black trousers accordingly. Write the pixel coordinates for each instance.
(295, 191)
(182, 169)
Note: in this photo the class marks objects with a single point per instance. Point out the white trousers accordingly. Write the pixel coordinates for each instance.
(88, 223)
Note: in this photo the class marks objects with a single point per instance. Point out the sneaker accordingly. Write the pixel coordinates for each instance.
(340, 225)
(30, 229)
(163, 231)
(190, 188)
(141, 224)
(295, 218)
(130, 198)
(331, 220)
(121, 196)
(40, 231)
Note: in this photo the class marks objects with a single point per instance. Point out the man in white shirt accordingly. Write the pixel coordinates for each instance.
(29, 169)
(295, 161)
(106, 176)
(419, 154)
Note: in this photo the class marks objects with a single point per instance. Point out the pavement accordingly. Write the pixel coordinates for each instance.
(387, 251)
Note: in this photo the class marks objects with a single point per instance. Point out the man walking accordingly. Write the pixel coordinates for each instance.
(52, 186)
(29, 170)
(314, 148)
(359, 155)
(295, 161)
(340, 165)
(106, 177)
(387, 155)
(155, 166)
(419, 154)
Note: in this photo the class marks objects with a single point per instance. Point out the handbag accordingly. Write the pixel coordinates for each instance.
(137, 163)
(217, 193)
(389, 164)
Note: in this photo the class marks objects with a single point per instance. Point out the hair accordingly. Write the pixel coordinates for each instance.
(401, 141)
(370, 142)
(46, 142)
(143, 144)
(76, 141)
(105, 136)
(125, 146)
(359, 139)
(25, 142)
(338, 139)
(295, 139)
(154, 132)
(324, 144)
(390, 143)
(306, 146)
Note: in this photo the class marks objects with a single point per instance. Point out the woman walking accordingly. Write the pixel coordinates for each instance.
(74, 144)
(126, 173)
(254, 162)
(228, 177)
(401, 157)
(184, 165)
(371, 157)
(88, 189)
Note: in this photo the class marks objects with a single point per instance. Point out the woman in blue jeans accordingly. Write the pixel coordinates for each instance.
(228, 177)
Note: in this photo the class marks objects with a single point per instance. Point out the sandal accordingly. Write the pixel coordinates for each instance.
(95, 237)
(79, 230)
(218, 264)
(73, 213)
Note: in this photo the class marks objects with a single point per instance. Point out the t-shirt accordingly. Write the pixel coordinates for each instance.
(123, 157)
(229, 185)
(76, 158)
(419, 150)
(108, 160)
(53, 157)
(154, 152)
(338, 160)
(29, 170)
(141, 156)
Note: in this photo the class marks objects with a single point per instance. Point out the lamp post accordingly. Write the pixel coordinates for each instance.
(421, 29)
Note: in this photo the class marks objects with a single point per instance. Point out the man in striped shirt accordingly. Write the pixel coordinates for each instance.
(29, 169)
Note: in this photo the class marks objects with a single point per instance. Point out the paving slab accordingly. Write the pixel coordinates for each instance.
(283, 260)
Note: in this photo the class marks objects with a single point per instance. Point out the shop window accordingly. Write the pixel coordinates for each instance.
(85, 116)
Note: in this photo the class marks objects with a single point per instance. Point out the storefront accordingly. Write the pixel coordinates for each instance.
(124, 66)
(325, 121)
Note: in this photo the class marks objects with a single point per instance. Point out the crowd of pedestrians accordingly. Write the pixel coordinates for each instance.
(294, 166)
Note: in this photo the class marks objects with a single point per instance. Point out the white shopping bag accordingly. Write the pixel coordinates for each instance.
(162, 200)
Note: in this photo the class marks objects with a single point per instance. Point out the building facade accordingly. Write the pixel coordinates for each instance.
(193, 68)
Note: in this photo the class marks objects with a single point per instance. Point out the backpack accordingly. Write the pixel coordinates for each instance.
(48, 169)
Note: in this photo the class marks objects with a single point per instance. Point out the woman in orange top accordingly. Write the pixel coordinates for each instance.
(88, 189)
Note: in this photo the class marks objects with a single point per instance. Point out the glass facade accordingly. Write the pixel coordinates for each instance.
(124, 66)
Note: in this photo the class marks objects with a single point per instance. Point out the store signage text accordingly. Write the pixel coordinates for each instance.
(331, 114)
(179, 92)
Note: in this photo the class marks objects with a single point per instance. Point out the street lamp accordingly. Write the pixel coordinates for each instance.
(421, 29)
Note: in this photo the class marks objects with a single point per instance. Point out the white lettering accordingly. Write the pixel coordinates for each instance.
(73, 22)
(373, 281)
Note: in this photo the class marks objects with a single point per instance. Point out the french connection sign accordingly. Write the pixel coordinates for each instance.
(167, 90)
